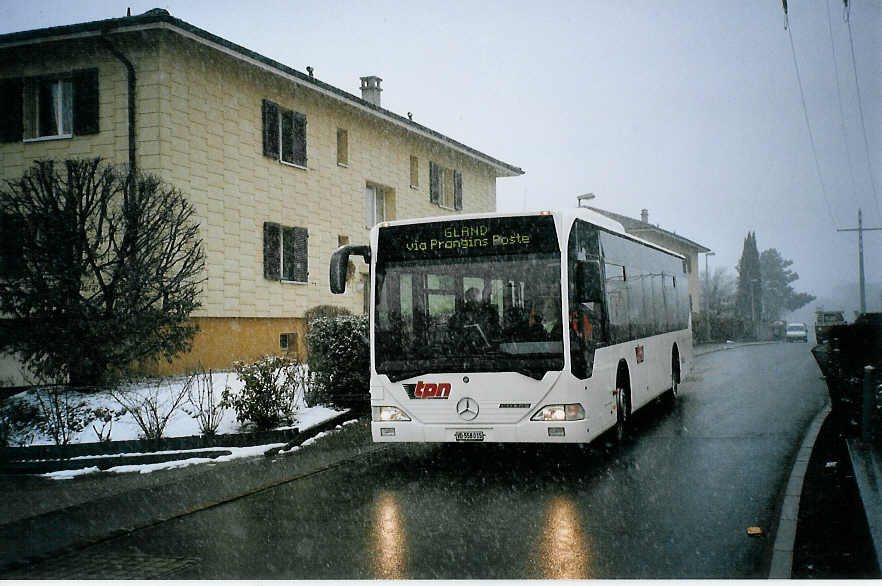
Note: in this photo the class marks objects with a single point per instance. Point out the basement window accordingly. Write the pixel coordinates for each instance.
(288, 342)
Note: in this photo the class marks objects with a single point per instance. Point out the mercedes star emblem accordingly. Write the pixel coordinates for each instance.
(467, 408)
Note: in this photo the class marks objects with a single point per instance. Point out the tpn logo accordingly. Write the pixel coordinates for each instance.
(423, 390)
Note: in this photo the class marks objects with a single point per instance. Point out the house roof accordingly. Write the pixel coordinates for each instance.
(634, 226)
(158, 18)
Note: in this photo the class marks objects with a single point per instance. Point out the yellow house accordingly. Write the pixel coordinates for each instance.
(281, 167)
(670, 240)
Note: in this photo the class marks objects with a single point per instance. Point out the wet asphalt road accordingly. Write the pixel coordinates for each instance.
(674, 501)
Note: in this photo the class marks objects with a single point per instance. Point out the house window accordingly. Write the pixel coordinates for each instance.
(375, 205)
(288, 342)
(445, 186)
(56, 106)
(366, 288)
(284, 134)
(343, 147)
(414, 172)
(48, 108)
(285, 251)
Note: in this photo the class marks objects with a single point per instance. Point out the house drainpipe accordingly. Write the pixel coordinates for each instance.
(130, 69)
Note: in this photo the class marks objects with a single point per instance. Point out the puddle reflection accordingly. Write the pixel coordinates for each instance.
(389, 539)
(563, 551)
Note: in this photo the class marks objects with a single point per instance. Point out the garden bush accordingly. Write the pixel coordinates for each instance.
(62, 414)
(274, 389)
(339, 358)
(18, 419)
(153, 409)
(207, 408)
(324, 311)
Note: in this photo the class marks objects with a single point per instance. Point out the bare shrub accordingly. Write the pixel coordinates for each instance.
(104, 417)
(152, 410)
(208, 409)
(61, 416)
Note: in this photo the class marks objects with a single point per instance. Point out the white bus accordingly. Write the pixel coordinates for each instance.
(543, 327)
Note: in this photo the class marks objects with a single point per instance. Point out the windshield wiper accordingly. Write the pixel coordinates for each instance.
(481, 332)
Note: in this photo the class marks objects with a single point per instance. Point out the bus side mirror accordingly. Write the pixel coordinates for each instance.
(588, 282)
(340, 264)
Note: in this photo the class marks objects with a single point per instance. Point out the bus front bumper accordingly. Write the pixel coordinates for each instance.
(524, 432)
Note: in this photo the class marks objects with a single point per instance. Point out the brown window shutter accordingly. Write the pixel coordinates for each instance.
(270, 129)
(342, 146)
(287, 136)
(301, 255)
(11, 126)
(435, 187)
(299, 136)
(457, 190)
(272, 241)
(414, 171)
(85, 90)
(289, 255)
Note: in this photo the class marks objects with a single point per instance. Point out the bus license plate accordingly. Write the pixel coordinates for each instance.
(469, 436)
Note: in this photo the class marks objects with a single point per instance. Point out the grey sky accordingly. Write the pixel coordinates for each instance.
(690, 109)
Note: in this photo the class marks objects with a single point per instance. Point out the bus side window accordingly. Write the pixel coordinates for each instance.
(617, 303)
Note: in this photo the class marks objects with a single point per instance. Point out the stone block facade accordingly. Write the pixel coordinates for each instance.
(199, 127)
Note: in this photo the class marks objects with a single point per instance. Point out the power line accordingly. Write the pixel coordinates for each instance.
(839, 100)
(861, 110)
(807, 123)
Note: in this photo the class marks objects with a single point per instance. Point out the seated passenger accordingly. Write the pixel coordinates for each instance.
(475, 321)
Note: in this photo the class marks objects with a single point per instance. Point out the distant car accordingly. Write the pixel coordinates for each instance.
(825, 321)
(796, 332)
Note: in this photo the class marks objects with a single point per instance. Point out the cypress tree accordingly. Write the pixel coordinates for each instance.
(749, 298)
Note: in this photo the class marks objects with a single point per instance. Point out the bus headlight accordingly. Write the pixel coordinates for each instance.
(388, 414)
(569, 412)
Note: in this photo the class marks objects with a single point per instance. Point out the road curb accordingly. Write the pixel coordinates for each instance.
(785, 534)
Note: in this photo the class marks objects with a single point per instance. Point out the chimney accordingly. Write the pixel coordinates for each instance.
(370, 89)
(644, 216)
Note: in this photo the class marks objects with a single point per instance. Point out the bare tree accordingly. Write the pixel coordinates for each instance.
(100, 269)
(718, 291)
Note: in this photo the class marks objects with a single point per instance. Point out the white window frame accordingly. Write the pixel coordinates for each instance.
(375, 197)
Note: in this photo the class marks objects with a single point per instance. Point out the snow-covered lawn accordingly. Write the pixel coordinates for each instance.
(180, 424)
(124, 427)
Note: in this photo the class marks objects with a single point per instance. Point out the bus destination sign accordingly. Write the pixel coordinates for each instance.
(464, 238)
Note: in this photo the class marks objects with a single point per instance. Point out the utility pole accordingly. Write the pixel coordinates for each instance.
(860, 230)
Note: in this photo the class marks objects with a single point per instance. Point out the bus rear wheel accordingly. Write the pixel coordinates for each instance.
(623, 404)
(675, 374)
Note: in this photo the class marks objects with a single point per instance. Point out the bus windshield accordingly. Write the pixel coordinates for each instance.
(482, 309)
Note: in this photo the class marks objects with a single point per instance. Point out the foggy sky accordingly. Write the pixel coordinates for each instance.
(690, 109)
